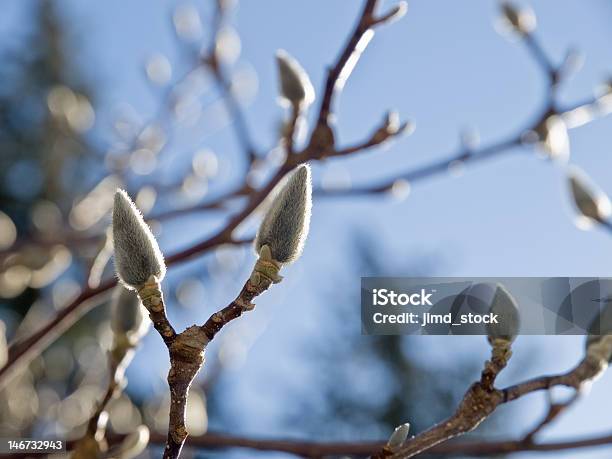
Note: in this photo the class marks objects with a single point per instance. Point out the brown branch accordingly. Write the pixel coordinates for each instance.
(22, 352)
(212, 440)
(482, 399)
(554, 411)
(94, 440)
(186, 351)
(429, 170)
(351, 52)
(478, 403)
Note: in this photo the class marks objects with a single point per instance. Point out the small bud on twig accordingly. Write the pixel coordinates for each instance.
(590, 201)
(398, 437)
(394, 14)
(295, 86)
(137, 255)
(285, 226)
(521, 20)
(599, 328)
(509, 319)
(391, 127)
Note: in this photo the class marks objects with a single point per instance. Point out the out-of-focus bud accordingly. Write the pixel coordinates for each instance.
(600, 329)
(509, 319)
(553, 139)
(3, 345)
(285, 226)
(134, 444)
(187, 23)
(95, 205)
(295, 86)
(572, 63)
(519, 19)
(137, 255)
(8, 231)
(129, 317)
(158, 69)
(398, 437)
(589, 200)
(59, 261)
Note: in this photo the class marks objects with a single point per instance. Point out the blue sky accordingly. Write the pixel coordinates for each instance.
(445, 67)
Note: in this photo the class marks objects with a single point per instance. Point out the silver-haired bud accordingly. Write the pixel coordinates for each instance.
(128, 316)
(509, 319)
(137, 255)
(600, 327)
(589, 200)
(285, 226)
(398, 437)
(295, 85)
(521, 19)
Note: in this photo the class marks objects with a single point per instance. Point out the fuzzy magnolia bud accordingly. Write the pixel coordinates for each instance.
(508, 316)
(589, 200)
(398, 437)
(295, 86)
(285, 226)
(128, 315)
(522, 20)
(137, 255)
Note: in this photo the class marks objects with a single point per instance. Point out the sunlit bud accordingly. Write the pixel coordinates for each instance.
(520, 19)
(508, 316)
(128, 316)
(398, 437)
(295, 85)
(589, 200)
(285, 226)
(599, 328)
(137, 255)
(8, 231)
(553, 138)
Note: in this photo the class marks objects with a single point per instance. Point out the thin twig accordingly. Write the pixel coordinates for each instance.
(302, 448)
